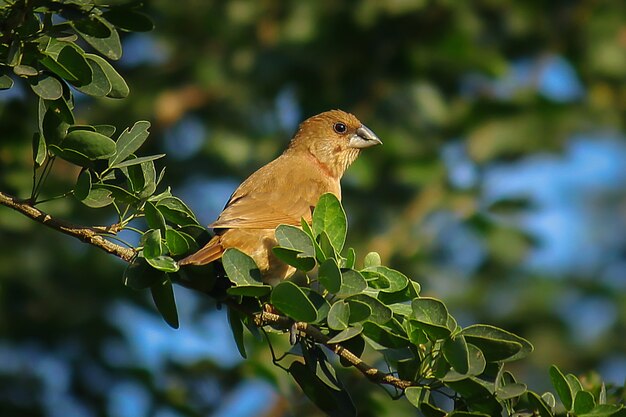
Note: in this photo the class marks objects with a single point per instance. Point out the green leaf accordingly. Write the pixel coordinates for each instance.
(431, 316)
(46, 86)
(605, 410)
(236, 326)
(562, 387)
(240, 268)
(352, 282)
(456, 352)
(347, 334)
(329, 217)
(583, 402)
(176, 243)
(163, 263)
(83, 185)
(416, 395)
(25, 71)
(384, 336)
(154, 218)
(129, 141)
(97, 198)
(539, 405)
(293, 302)
(6, 82)
(477, 396)
(129, 20)
(101, 35)
(140, 160)
(511, 391)
(381, 314)
(70, 65)
(497, 344)
(331, 401)
(163, 296)
(119, 88)
(175, 211)
(359, 311)
(477, 364)
(39, 149)
(372, 259)
(394, 281)
(139, 275)
(294, 238)
(91, 144)
(339, 315)
(106, 130)
(320, 303)
(294, 258)
(350, 260)
(71, 155)
(55, 122)
(329, 275)
(100, 86)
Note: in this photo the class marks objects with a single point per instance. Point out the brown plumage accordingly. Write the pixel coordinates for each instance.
(285, 190)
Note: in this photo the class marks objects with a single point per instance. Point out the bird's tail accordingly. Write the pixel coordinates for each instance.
(209, 253)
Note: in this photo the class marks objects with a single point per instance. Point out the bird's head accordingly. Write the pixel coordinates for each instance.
(334, 138)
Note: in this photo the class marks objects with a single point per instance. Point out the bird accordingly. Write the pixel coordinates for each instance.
(286, 190)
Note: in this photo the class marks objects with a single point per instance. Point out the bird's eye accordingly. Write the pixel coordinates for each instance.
(340, 127)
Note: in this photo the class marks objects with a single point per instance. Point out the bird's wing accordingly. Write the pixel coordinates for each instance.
(281, 192)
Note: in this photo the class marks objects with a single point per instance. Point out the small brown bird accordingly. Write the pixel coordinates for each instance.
(286, 190)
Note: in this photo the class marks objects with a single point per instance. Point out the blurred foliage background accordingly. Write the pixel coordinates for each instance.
(500, 188)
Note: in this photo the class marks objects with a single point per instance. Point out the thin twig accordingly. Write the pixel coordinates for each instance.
(373, 374)
(91, 235)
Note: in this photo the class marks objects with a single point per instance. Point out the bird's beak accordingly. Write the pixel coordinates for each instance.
(363, 138)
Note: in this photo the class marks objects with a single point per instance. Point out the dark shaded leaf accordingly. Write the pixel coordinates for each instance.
(294, 258)
(293, 302)
(236, 326)
(384, 336)
(176, 243)
(334, 403)
(100, 85)
(139, 275)
(154, 218)
(381, 314)
(329, 275)
(83, 185)
(101, 35)
(163, 296)
(497, 344)
(583, 402)
(119, 88)
(510, 391)
(128, 19)
(6, 82)
(456, 352)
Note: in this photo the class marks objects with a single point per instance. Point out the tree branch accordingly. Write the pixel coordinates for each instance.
(90, 235)
(373, 374)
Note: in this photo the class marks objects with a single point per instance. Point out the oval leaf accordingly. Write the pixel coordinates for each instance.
(329, 217)
(293, 302)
